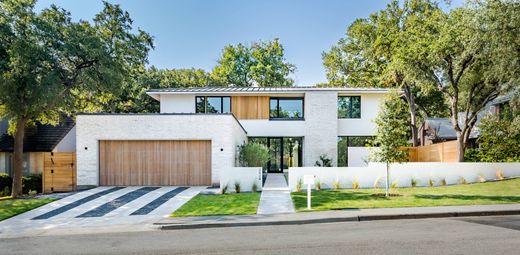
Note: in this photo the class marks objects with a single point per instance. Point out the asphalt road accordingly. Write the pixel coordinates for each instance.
(475, 235)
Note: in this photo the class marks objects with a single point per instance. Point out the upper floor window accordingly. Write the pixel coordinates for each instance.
(286, 108)
(349, 107)
(212, 104)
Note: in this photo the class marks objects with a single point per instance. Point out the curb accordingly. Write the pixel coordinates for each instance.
(339, 219)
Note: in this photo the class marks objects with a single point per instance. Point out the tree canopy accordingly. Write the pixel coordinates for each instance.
(262, 64)
(50, 64)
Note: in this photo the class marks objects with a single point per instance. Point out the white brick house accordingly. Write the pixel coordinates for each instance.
(197, 132)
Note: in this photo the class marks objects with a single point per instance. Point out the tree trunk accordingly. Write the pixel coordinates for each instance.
(461, 147)
(410, 98)
(387, 191)
(18, 157)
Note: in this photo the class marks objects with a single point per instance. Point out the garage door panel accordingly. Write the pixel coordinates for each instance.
(155, 163)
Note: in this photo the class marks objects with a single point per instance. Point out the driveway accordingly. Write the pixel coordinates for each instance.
(101, 207)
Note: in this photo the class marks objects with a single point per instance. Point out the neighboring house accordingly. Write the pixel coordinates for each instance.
(437, 130)
(198, 130)
(38, 140)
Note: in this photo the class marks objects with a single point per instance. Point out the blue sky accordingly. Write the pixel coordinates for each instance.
(192, 33)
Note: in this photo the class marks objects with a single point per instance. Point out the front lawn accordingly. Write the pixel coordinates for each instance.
(501, 192)
(11, 207)
(229, 204)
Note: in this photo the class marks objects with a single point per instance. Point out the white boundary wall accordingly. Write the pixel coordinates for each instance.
(246, 176)
(403, 173)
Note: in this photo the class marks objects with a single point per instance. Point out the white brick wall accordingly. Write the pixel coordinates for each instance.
(223, 131)
(321, 118)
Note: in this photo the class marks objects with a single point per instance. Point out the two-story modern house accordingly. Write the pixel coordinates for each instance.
(198, 130)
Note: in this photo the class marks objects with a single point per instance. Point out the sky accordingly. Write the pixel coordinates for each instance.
(192, 33)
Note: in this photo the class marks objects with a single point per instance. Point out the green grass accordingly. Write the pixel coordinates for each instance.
(501, 192)
(11, 207)
(229, 204)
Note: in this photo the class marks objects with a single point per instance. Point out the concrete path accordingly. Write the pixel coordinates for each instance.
(348, 215)
(100, 207)
(276, 196)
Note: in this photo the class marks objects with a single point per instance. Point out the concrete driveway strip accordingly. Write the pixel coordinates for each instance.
(116, 203)
(76, 204)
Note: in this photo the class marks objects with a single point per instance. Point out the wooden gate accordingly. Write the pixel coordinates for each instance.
(59, 172)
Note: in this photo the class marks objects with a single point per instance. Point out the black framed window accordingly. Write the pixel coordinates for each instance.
(349, 107)
(344, 142)
(212, 104)
(290, 108)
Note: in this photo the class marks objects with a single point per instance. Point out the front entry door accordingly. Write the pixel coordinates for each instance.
(285, 152)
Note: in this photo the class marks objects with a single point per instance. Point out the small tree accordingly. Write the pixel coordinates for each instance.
(391, 134)
(253, 155)
(324, 161)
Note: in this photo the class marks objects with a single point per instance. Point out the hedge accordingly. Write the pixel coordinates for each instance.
(30, 182)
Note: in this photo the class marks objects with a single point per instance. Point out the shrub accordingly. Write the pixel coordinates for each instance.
(255, 187)
(413, 182)
(318, 184)
(32, 182)
(355, 184)
(500, 174)
(431, 183)
(442, 182)
(5, 192)
(336, 185)
(32, 192)
(5, 181)
(377, 182)
(237, 187)
(462, 180)
(224, 189)
(481, 178)
(324, 161)
(299, 184)
(394, 185)
(253, 155)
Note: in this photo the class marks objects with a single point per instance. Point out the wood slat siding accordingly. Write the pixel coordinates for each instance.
(439, 152)
(59, 172)
(250, 107)
(136, 163)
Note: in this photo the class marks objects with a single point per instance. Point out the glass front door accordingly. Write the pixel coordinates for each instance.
(285, 152)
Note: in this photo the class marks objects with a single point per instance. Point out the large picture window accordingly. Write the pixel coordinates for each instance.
(286, 108)
(349, 107)
(204, 104)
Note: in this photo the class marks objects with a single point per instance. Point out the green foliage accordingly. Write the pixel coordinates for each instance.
(253, 155)
(318, 184)
(32, 193)
(254, 188)
(32, 182)
(225, 189)
(392, 131)
(499, 140)
(394, 184)
(413, 182)
(336, 184)
(237, 187)
(355, 184)
(5, 192)
(324, 161)
(442, 182)
(431, 182)
(262, 64)
(299, 184)
(462, 180)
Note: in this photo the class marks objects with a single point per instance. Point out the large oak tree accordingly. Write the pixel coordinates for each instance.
(48, 63)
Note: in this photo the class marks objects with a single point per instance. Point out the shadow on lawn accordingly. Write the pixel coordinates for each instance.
(512, 199)
(331, 196)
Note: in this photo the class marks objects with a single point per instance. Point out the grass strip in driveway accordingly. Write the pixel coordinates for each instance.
(12, 207)
(228, 204)
(500, 192)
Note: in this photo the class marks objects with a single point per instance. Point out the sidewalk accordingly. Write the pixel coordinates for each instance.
(337, 216)
(276, 196)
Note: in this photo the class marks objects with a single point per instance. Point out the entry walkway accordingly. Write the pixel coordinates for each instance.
(276, 196)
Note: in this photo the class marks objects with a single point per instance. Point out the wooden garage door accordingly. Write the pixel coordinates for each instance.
(155, 163)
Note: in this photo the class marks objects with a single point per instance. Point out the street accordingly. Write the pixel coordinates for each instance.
(472, 235)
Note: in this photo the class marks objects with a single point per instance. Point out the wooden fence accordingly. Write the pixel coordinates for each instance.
(59, 172)
(439, 152)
